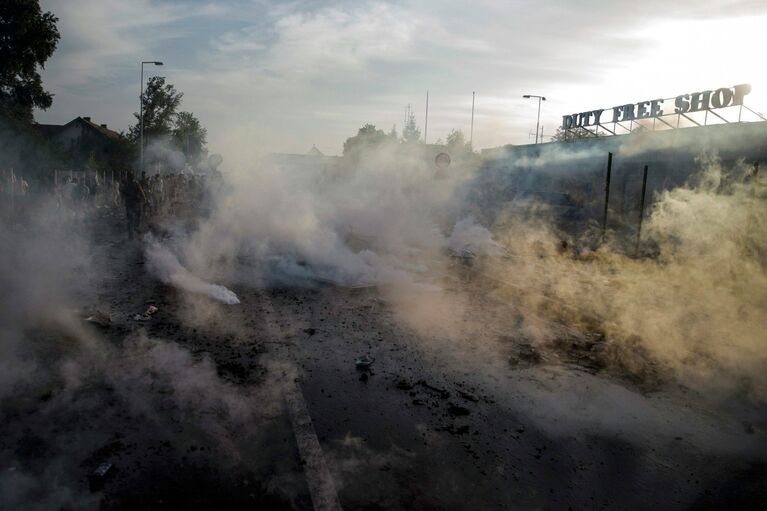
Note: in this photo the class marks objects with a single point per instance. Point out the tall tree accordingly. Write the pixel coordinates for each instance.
(368, 137)
(410, 133)
(28, 37)
(456, 142)
(161, 100)
(190, 136)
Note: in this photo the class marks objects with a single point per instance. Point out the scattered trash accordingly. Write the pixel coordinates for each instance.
(99, 476)
(468, 397)
(453, 430)
(525, 355)
(99, 318)
(364, 377)
(441, 393)
(458, 410)
(364, 362)
(11, 469)
(147, 315)
(404, 385)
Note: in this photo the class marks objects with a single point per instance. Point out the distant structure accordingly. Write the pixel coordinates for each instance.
(314, 151)
(81, 139)
(312, 160)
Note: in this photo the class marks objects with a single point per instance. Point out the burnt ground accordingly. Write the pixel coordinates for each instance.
(188, 408)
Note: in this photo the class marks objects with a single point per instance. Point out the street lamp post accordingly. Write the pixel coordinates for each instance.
(141, 114)
(538, 123)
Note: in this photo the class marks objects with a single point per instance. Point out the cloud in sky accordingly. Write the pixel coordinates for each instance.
(281, 76)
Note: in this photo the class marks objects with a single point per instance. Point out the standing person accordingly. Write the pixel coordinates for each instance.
(94, 192)
(170, 195)
(68, 195)
(23, 197)
(134, 198)
(157, 193)
(81, 198)
(145, 185)
(115, 195)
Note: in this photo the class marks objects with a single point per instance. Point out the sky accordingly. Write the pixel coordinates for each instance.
(281, 76)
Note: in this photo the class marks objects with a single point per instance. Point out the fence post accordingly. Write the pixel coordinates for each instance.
(607, 194)
(641, 210)
(750, 217)
(13, 202)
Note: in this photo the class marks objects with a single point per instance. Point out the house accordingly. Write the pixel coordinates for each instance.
(83, 140)
(312, 160)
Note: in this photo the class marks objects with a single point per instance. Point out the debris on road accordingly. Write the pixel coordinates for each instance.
(364, 362)
(99, 318)
(458, 411)
(441, 393)
(404, 385)
(525, 355)
(455, 430)
(147, 314)
(99, 476)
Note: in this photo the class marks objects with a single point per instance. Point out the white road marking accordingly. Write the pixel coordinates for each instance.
(321, 486)
(318, 477)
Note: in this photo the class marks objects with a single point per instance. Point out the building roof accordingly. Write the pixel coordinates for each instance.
(51, 130)
(101, 128)
(314, 151)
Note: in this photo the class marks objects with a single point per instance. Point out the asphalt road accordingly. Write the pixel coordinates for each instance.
(457, 411)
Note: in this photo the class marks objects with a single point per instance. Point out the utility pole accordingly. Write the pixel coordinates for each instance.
(471, 132)
(538, 123)
(426, 121)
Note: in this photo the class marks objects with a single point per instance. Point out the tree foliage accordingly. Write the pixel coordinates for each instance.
(28, 38)
(367, 138)
(190, 136)
(410, 133)
(456, 143)
(161, 100)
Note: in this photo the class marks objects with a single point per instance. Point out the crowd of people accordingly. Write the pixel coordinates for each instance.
(145, 198)
(172, 195)
(14, 191)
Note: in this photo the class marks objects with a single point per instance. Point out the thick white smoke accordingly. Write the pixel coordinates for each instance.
(695, 309)
(384, 221)
(168, 269)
